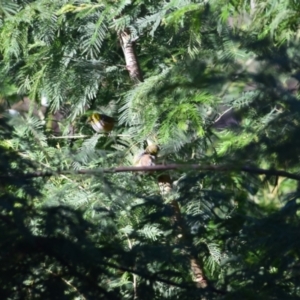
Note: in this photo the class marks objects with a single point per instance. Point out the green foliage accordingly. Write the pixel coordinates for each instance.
(221, 88)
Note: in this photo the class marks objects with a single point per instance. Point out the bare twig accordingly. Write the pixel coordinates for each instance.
(66, 282)
(221, 115)
(68, 137)
(82, 136)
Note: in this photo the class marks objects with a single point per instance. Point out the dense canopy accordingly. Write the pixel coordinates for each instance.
(149, 149)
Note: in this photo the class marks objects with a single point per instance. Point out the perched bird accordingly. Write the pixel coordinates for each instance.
(152, 148)
(145, 160)
(148, 156)
(101, 122)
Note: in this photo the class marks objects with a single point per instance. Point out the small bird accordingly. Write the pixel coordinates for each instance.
(145, 160)
(151, 148)
(101, 122)
(148, 156)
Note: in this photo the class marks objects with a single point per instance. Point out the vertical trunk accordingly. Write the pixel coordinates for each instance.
(195, 265)
(132, 63)
(165, 184)
(164, 181)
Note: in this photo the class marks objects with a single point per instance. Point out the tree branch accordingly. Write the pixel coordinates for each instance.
(84, 136)
(181, 167)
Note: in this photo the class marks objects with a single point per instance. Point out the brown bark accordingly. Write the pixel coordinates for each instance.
(195, 265)
(132, 63)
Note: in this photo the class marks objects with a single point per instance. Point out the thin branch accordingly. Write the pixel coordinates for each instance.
(82, 136)
(44, 243)
(221, 115)
(66, 282)
(155, 277)
(213, 168)
(68, 137)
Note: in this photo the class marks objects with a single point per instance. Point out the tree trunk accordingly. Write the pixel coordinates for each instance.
(164, 181)
(195, 265)
(132, 63)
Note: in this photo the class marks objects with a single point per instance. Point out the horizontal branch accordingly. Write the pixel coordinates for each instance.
(83, 136)
(180, 167)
